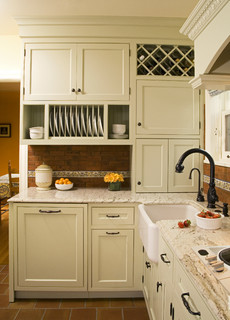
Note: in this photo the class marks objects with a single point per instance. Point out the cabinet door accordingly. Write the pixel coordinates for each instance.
(112, 259)
(151, 165)
(180, 182)
(50, 71)
(167, 107)
(103, 72)
(50, 247)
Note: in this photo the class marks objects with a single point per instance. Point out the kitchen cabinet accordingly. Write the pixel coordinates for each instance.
(152, 288)
(167, 107)
(77, 250)
(112, 248)
(50, 247)
(76, 71)
(155, 163)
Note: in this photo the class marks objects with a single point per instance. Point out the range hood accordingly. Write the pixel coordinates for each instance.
(208, 26)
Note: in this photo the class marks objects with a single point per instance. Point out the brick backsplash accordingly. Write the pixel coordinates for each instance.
(97, 159)
(222, 181)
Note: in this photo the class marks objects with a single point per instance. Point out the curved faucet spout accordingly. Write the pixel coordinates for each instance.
(212, 196)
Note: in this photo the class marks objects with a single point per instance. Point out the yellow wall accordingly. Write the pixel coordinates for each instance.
(9, 113)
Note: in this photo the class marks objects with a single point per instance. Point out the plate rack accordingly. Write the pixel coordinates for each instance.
(76, 121)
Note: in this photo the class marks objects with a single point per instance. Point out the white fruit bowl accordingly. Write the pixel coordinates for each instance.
(210, 224)
(63, 187)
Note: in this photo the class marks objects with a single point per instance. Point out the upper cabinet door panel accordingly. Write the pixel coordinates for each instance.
(167, 107)
(50, 72)
(103, 72)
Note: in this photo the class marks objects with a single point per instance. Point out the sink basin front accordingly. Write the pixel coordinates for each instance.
(149, 214)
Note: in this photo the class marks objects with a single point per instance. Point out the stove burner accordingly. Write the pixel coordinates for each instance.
(224, 255)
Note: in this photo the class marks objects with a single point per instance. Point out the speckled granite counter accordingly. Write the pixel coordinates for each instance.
(90, 195)
(182, 241)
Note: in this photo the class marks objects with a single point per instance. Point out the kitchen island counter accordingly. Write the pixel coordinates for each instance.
(182, 242)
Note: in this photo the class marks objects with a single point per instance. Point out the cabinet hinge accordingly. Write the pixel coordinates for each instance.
(130, 52)
(23, 90)
(24, 52)
(143, 279)
(143, 249)
(199, 124)
(129, 90)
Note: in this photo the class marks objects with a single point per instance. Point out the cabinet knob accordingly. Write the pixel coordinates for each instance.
(148, 264)
(73, 90)
(139, 183)
(159, 284)
(78, 90)
(139, 124)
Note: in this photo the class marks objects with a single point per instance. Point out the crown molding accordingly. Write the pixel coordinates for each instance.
(201, 16)
(211, 82)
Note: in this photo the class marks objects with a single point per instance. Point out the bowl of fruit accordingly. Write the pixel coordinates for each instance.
(209, 220)
(63, 184)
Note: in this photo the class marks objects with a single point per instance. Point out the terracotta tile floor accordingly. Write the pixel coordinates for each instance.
(68, 309)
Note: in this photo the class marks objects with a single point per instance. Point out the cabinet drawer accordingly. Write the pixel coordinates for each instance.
(112, 216)
(183, 285)
(49, 209)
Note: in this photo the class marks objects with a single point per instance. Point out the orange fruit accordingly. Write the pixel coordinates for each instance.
(68, 182)
(57, 182)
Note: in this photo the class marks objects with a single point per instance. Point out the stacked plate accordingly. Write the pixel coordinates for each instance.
(73, 121)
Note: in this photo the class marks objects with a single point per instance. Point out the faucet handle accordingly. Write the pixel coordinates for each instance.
(225, 209)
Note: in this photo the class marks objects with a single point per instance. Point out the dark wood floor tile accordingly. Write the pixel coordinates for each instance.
(72, 303)
(3, 288)
(22, 304)
(122, 303)
(7, 314)
(139, 302)
(30, 314)
(135, 314)
(47, 304)
(109, 314)
(4, 301)
(3, 276)
(97, 303)
(57, 314)
(83, 314)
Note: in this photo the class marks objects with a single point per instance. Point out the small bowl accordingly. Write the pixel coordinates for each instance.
(119, 128)
(36, 132)
(63, 187)
(211, 224)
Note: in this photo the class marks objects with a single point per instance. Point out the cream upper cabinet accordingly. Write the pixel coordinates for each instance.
(167, 107)
(76, 72)
(103, 72)
(180, 182)
(151, 165)
(155, 165)
(50, 71)
(50, 247)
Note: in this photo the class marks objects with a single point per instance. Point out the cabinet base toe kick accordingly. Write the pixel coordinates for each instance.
(76, 295)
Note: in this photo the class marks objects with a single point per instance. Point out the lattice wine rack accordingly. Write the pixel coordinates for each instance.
(165, 60)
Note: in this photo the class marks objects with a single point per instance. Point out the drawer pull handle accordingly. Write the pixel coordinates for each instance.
(159, 284)
(187, 306)
(113, 216)
(112, 233)
(163, 255)
(49, 211)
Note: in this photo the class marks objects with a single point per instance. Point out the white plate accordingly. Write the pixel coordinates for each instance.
(95, 125)
(72, 121)
(77, 121)
(118, 136)
(83, 121)
(89, 126)
(56, 121)
(101, 132)
(67, 120)
(51, 122)
(60, 121)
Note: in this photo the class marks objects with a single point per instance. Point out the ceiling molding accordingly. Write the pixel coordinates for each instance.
(201, 16)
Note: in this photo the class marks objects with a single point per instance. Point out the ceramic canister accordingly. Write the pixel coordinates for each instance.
(43, 177)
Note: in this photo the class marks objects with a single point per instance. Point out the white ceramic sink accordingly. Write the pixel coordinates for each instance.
(149, 214)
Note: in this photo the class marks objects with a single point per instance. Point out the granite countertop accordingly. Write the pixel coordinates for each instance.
(100, 195)
(182, 242)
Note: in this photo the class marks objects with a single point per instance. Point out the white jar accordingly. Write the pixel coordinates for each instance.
(43, 177)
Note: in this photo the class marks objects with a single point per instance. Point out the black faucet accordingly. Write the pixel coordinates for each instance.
(200, 196)
(225, 208)
(211, 196)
